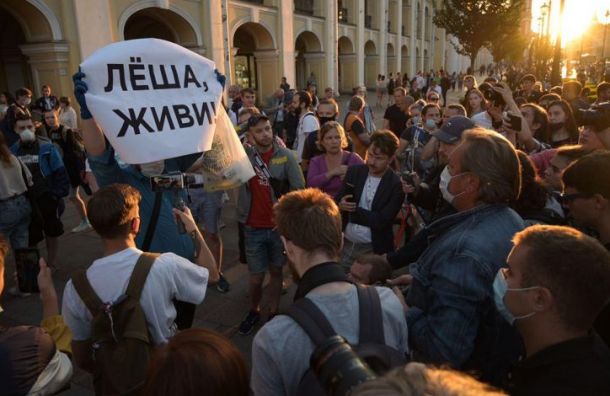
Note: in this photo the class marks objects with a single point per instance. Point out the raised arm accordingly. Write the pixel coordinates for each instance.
(93, 137)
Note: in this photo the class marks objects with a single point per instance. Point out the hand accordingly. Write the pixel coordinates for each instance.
(503, 90)
(402, 280)
(401, 298)
(80, 88)
(187, 219)
(45, 281)
(346, 205)
(340, 171)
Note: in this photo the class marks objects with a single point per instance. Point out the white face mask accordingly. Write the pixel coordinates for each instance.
(27, 101)
(444, 185)
(27, 136)
(152, 168)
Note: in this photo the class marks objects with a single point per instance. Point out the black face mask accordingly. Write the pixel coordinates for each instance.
(324, 120)
(555, 126)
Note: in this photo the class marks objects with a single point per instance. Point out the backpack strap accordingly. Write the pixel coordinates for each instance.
(371, 319)
(312, 320)
(85, 291)
(139, 274)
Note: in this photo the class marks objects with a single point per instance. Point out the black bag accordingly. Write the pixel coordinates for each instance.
(121, 341)
(371, 345)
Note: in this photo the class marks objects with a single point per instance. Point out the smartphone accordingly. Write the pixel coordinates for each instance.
(349, 190)
(168, 182)
(515, 122)
(27, 269)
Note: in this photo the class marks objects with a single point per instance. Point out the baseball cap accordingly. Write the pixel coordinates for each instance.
(452, 131)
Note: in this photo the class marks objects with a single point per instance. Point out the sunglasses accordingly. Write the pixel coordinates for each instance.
(568, 198)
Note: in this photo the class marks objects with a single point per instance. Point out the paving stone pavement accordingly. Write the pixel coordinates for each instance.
(219, 312)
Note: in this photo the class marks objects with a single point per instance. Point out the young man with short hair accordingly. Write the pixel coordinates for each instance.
(556, 283)
(114, 214)
(395, 116)
(370, 199)
(370, 269)
(328, 110)
(277, 172)
(309, 225)
(51, 184)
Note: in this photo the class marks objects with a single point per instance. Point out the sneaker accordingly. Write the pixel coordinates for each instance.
(14, 291)
(248, 324)
(83, 226)
(223, 285)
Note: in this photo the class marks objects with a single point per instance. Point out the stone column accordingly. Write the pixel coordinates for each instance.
(216, 24)
(331, 37)
(49, 63)
(422, 41)
(413, 34)
(399, 35)
(360, 43)
(286, 42)
(267, 72)
(383, 35)
(94, 25)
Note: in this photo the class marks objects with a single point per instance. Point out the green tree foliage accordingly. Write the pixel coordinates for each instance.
(478, 23)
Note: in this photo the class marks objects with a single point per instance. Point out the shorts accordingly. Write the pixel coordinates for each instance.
(206, 208)
(263, 248)
(47, 221)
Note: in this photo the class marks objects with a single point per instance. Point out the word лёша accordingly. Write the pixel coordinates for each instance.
(182, 114)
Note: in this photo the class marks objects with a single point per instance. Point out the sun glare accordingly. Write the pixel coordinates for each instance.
(578, 16)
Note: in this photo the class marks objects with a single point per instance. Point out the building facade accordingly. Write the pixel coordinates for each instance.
(344, 43)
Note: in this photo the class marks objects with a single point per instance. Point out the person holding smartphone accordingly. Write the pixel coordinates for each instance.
(36, 360)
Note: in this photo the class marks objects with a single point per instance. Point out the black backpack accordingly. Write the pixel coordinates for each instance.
(371, 340)
(120, 337)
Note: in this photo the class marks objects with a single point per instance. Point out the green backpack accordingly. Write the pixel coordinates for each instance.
(120, 338)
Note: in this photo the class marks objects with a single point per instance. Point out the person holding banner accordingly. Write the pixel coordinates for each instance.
(277, 172)
(158, 224)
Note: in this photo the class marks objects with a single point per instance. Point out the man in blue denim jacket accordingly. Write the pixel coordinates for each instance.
(451, 314)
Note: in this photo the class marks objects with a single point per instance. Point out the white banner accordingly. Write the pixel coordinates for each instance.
(153, 99)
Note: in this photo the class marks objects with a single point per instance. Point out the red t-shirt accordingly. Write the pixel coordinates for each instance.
(261, 205)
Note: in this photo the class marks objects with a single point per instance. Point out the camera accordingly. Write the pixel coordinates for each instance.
(492, 96)
(175, 182)
(338, 368)
(597, 116)
(407, 177)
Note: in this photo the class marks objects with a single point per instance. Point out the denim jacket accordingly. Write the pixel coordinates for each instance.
(452, 316)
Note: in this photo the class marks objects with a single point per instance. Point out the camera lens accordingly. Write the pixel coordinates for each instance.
(338, 368)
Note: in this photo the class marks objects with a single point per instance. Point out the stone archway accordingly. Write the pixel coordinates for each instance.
(253, 51)
(309, 58)
(31, 50)
(347, 65)
(370, 64)
(163, 24)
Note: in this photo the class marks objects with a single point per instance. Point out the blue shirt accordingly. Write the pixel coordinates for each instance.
(166, 237)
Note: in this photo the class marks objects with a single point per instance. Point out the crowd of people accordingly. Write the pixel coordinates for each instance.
(459, 248)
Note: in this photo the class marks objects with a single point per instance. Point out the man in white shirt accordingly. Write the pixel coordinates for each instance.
(113, 213)
(308, 122)
(370, 199)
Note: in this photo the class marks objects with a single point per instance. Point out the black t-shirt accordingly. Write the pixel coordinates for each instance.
(576, 367)
(397, 119)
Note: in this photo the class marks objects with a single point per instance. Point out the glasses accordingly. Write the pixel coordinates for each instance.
(568, 198)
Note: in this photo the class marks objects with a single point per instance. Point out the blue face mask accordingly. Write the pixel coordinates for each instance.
(500, 290)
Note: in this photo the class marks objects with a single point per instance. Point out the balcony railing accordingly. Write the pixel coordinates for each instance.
(342, 15)
(303, 6)
(368, 21)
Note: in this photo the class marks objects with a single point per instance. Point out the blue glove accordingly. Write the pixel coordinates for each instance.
(220, 77)
(80, 88)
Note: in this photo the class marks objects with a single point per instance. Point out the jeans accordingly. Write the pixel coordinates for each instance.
(263, 248)
(15, 219)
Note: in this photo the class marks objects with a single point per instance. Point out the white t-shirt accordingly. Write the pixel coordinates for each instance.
(358, 233)
(170, 277)
(482, 119)
(307, 124)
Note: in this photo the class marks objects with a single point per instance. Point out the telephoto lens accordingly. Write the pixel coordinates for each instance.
(338, 368)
